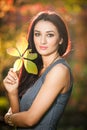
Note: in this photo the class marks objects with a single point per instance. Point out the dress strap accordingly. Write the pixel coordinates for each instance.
(62, 61)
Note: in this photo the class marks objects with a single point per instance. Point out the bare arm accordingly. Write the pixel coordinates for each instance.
(57, 80)
(11, 86)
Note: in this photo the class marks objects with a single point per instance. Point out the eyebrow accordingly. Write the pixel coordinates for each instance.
(46, 31)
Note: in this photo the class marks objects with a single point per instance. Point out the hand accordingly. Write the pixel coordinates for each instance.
(7, 119)
(8, 113)
(11, 82)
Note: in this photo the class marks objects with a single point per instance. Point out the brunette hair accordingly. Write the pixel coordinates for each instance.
(27, 80)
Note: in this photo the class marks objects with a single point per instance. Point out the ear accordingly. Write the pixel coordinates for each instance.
(61, 41)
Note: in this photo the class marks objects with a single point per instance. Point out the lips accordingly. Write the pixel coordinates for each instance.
(43, 47)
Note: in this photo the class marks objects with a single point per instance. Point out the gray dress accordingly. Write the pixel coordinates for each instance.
(51, 118)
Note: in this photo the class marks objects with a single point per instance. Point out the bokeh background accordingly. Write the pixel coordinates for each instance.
(15, 16)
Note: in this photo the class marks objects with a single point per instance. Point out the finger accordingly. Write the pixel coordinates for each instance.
(9, 81)
(12, 74)
(13, 70)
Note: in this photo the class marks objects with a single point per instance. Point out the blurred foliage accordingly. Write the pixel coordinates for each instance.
(3, 103)
(15, 17)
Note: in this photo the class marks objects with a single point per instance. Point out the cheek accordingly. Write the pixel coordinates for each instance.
(54, 45)
(36, 41)
(53, 42)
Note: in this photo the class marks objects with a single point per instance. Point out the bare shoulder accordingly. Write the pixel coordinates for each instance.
(59, 69)
(59, 75)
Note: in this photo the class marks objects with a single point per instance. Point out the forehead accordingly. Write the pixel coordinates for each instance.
(45, 25)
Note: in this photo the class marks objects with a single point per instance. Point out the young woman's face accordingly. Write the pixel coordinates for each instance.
(46, 38)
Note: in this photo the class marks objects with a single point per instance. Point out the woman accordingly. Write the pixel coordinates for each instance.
(37, 102)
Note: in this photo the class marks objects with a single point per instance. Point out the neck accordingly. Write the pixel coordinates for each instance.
(49, 60)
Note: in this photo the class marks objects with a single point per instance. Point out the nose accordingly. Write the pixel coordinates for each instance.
(43, 39)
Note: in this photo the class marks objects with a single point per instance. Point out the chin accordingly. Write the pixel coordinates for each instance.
(42, 53)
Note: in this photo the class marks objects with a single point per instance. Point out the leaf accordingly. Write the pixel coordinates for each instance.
(13, 52)
(22, 45)
(24, 55)
(29, 55)
(18, 64)
(30, 67)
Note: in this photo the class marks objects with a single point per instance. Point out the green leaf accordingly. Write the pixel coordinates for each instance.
(13, 52)
(30, 67)
(18, 64)
(25, 55)
(29, 55)
(22, 45)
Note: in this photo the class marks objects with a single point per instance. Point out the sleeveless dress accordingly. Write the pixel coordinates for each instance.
(50, 120)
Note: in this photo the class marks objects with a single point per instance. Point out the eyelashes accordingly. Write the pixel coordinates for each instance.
(48, 34)
(37, 34)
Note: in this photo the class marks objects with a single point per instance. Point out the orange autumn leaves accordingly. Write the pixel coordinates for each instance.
(24, 56)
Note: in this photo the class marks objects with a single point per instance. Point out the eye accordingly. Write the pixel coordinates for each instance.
(50, 35)
(37, 34)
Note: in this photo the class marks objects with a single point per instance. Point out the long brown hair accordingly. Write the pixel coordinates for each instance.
(27, 80)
